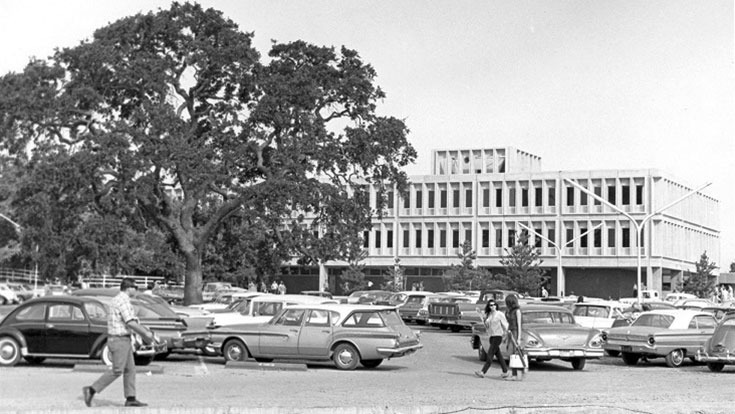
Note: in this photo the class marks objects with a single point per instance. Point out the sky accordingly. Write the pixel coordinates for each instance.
(604, 84)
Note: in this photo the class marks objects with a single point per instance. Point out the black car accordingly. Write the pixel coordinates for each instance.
(66, 327)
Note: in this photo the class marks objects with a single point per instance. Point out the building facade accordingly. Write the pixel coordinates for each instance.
(588, 248)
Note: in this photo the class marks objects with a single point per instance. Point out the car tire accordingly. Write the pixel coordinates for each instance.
(715, 366)
(371, 363)
(675, 358)
(578, 363)
(162, 356)
(455, 328)
(3, 301)
(106, 355)
(481, 354)
(630, 358)
(209, 351)
(34, 360)
(235, 350)
(612, 353)
(346, 357)
(9, 351)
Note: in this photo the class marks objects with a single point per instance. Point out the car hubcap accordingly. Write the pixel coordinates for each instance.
(677, 357)
(346, 357)
(7, 351)
(235, 353)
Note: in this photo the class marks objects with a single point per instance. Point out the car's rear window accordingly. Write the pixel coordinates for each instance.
(415, 300)
(547, 317)
(35, 312)
(654, 320)
(370, 319)
(592, 311)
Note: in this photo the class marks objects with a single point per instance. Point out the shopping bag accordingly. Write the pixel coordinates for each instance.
(518, 362)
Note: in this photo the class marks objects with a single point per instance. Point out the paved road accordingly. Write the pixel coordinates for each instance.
(437, 379)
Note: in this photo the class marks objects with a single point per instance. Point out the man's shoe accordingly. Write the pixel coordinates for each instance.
(87, 393)
(479, 374)
(504, 375)
(135, 403)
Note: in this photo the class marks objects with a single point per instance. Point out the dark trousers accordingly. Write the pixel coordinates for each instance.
(494, 351)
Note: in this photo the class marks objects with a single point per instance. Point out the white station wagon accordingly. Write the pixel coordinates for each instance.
(262, 308)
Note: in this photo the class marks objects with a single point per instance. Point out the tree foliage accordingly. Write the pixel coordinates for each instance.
(701, 283)
(466, 276)
(394, 279)
(170, 121)
(522, 266)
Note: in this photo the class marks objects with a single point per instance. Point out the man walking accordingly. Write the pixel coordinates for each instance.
(120, 322)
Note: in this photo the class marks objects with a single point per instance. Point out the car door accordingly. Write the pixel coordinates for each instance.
(316, 334)
(67, 330)
(31, 322)
(280, 338)
(705, 328)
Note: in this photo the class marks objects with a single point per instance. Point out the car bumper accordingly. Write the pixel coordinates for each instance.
(564, 353)
(643, 349)
(721, 358)
(399, 352)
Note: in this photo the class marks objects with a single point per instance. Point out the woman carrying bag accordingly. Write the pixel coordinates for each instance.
(497, 327)
(513, 315)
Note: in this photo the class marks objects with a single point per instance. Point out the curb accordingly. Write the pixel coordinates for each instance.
(267, 366)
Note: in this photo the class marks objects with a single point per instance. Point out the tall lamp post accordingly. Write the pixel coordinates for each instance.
(561, 283)
(35, 270)
(638, 225)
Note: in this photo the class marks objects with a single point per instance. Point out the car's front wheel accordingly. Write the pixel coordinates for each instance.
(346, 357)
(106, 355)
(9, 351)
(235, 350)
(371, 363)
(630, 358)
(675, 358)
(715, 366)
(578, 363)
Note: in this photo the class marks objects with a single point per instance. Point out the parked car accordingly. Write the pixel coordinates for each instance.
(693, 303)
(7, 295)
(719, 349)
(369, 297)
(321, 293)
(630, 313)
(349, 335)
(170, 293)
(598, 315)
(718, 311)
(262, 308)
(414, 302)
(674, 296)
(548, 332)
(156, 315)
(672, 334)
(69, 327)
(455, 312)
(23, 291)
(56, 290)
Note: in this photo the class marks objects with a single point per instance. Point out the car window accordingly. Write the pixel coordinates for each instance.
(266, 308)
(95, 311)
(35, 312)
(705, 322)
(547, 317)
(414, 300)
(291, 317)
(65, 312)
(364, 319)
(729, 322)
(317, 317)
(654, 320)
(391, 317)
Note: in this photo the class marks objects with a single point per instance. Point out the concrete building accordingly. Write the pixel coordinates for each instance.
(487, 196)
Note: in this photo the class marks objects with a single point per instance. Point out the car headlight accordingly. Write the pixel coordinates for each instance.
(603, 336)
(532, 341)
(651, 340)
(596, 341)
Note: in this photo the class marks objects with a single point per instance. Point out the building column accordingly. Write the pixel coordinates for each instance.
(654, 278)
(323, 277)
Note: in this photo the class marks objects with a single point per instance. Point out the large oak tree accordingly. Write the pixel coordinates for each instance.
(177, 123)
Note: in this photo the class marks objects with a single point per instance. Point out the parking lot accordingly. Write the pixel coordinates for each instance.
(438, 378)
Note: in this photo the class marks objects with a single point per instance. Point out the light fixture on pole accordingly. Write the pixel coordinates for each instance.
(561, 280)
(638, 225)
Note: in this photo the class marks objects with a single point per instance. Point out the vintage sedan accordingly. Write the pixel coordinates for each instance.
(548, 332)
(672, 334)
(349, 335)
(66, 327)
(598, 314)
(719, 350)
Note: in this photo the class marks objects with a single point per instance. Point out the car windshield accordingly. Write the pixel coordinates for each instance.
(548, 317)
(415, 300)
(729, 323)
(654, 320)
(266, 308)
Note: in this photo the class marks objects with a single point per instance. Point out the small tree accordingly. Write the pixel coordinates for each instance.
(701, 283)
(522, 266)
(466, 276)
(394, 278)
(353, 278)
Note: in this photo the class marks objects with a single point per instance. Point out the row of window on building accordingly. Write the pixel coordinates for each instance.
(502, 236)
(516, 196)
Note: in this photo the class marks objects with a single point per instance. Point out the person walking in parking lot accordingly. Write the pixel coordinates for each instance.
(120, 322)
(497, 326)
(513, 315)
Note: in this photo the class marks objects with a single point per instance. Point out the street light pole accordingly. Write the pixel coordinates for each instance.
(638, 226)
(561, 282)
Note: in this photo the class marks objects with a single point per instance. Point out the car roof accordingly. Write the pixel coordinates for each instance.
(342, 307)
(676, 312)
(543, 307)
(63, 299)
(612, 303)
(288, 297)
